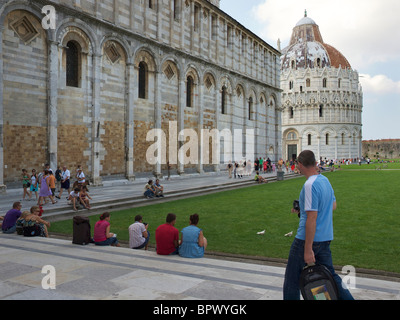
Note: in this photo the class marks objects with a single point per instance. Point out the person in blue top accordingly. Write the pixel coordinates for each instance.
(193, 242)
(315, 233)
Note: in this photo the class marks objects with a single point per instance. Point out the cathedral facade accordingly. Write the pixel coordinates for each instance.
(82, 82)
(322, 98)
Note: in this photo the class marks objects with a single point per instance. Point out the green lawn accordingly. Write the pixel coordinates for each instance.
(384, 164)
(366, 223)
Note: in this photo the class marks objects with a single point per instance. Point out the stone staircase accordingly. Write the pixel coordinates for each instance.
(65, 212)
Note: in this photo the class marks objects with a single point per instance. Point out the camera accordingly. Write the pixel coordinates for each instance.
(296, 206)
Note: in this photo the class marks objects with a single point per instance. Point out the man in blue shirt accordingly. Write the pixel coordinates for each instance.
(315, 232)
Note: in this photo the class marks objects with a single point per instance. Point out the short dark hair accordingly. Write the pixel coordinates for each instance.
(16, 204)
(170, 217)
(138, 217)
(307, 158)
(194, 219)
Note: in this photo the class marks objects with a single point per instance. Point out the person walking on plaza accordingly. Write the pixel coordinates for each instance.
(65, 184)
(230, 168)
(26, 183)
(34, 185)
(315, 233)
(45, 190)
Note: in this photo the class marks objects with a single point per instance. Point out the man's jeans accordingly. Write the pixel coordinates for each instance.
(322, 253)
(149, 193)
(10, 230)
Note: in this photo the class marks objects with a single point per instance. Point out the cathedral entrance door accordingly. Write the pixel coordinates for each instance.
(292, 151)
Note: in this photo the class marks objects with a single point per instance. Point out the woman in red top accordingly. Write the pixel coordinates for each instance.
(102, 235)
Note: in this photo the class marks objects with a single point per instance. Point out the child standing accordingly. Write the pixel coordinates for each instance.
(34, 185)
(25, 183)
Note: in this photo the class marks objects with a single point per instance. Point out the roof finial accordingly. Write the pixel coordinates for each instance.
(305, 13)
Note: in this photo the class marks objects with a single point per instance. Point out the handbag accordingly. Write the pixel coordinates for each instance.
(31, 231)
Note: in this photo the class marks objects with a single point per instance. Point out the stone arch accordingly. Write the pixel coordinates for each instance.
(144, 54)
(291, 143)
(146, 67)
(170, 67)
(121, 46)
(226, 91)
(251, 110)
(74, 29)
(192, 71)
(209, 80)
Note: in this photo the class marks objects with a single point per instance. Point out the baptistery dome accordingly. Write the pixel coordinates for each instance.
(308, 50)
(322, 98)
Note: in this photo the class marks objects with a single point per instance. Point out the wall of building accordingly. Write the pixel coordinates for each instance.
(102, 123)
(382, 149)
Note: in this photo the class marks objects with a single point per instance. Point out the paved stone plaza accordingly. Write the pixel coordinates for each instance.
(93, 273)
(90, 272)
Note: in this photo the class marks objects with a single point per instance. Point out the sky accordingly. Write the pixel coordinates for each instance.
(366, 32)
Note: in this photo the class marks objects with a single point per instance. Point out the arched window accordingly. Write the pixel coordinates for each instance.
(291, 113)
(321, 111)
(290, 85)
(308, 83)
(343, 140)
(327, 139)
(73, 64)
(309, 139)
(324, 83)
(176, 10)
(189, 92)
(223, 100)
(142, 80)
(250, 108)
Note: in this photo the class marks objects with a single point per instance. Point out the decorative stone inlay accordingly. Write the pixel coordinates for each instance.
(25, 29)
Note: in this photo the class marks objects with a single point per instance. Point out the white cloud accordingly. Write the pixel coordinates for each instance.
(363, 30)
(379, 84)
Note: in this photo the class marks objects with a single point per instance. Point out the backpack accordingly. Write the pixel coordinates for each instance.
(81, 231)
(317, 283)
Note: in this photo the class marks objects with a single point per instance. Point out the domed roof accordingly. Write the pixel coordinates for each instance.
(306, 55)
(308, 50)
(305, 20)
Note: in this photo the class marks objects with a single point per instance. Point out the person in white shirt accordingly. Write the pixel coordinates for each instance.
(138, 235)
(80, 176)
(74, 198)
(65, 175)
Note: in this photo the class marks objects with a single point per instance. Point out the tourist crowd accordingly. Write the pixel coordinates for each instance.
(192, 243)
